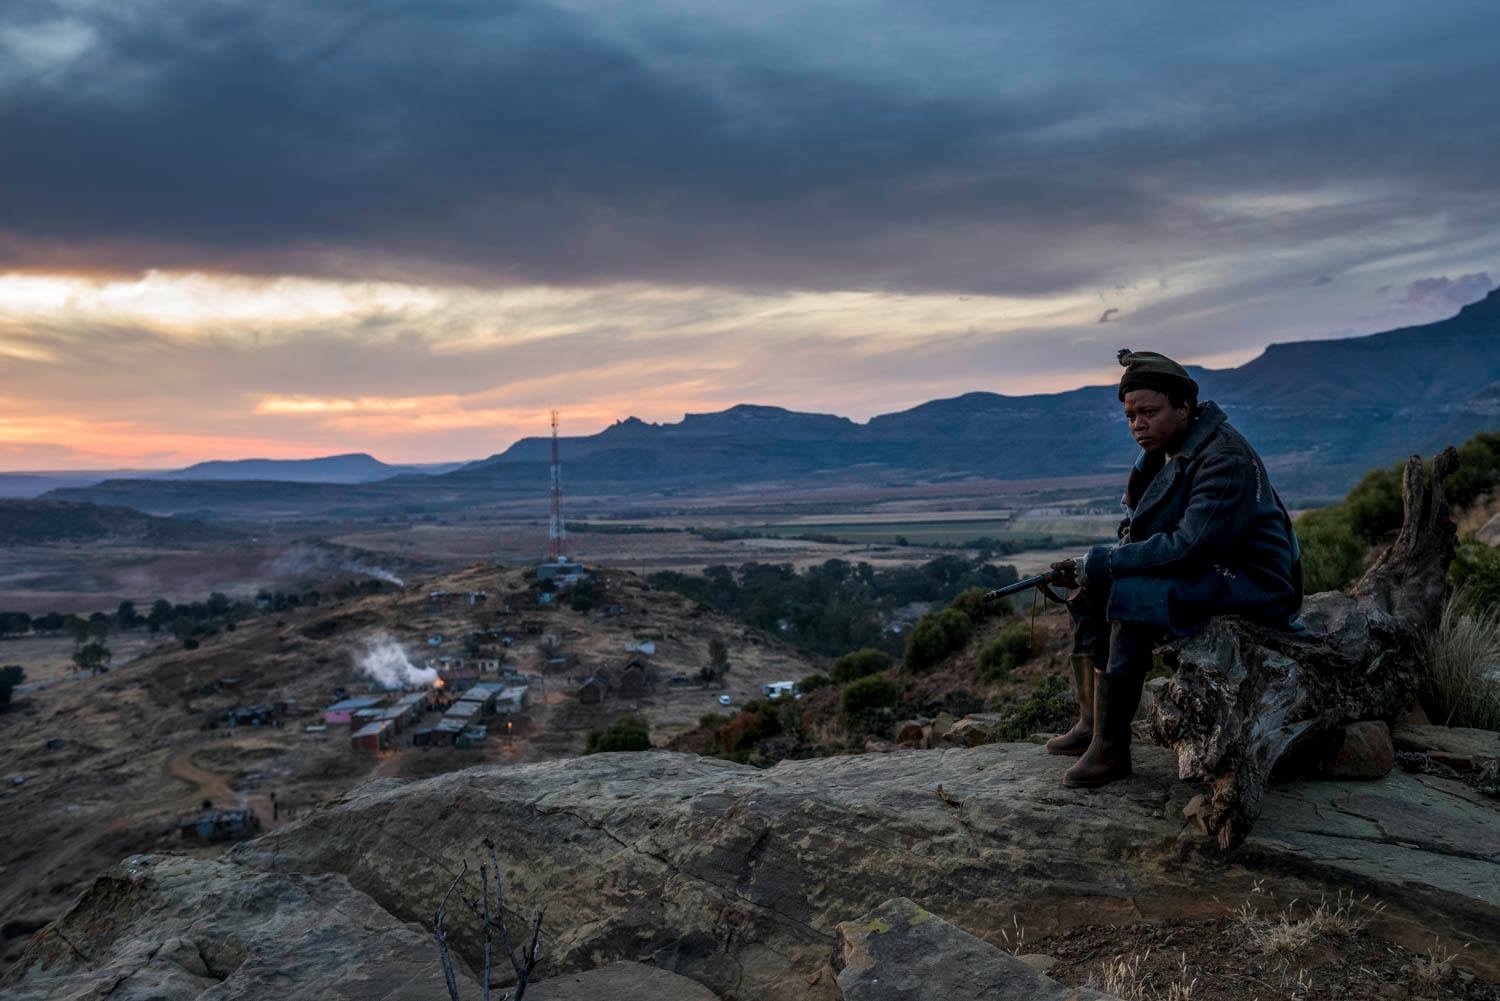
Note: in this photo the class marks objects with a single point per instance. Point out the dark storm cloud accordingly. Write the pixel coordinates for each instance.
(1020, 149)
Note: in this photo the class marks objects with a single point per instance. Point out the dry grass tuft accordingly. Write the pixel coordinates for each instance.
(1429, 972)
(1014, 936)
(1462, 683)
(1284, 934)
(1124, 978)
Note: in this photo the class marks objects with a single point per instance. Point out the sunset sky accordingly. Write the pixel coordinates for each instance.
(283, 228)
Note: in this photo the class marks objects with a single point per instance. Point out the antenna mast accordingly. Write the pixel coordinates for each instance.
(556, 531)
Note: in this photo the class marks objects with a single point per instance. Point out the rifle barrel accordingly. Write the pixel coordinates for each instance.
(1023, 584)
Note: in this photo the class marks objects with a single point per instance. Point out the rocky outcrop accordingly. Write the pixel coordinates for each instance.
(164, 928)
(620, 982)
(900, 951)
(738, 878)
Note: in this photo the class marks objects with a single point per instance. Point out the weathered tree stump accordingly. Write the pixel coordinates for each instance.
(1243, 695)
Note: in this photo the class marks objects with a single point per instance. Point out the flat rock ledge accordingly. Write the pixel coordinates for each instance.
(900, 951)
(738, 878)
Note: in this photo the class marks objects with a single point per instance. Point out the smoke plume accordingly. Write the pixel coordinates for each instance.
(384, 662)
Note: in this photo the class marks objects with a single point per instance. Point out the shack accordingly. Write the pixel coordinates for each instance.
(635, 679)
(470, 737)
(219, 825)
(342, 712)
(375, 736)
(593, 691)
(465, 711)
(512, 699)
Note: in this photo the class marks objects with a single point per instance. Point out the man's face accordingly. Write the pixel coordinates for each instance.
(1154, 423)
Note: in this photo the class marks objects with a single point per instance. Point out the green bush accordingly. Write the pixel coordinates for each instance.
(859, 664)
(1475, 571)
(971, 602)
(1049, 709)
(628, 733)
(1478, 470)
(1010, 648)
(937, 635)
(1373, 506)
(11, 675)
(1332, 554)
(867, 694)
(712, 721)
(813, 682)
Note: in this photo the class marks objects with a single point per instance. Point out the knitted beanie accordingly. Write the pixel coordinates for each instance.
(1149, 370)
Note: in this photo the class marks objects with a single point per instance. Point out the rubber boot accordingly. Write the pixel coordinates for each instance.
(1078, 738)
(1108, 757)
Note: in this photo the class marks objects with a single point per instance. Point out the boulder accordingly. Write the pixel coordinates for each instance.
(1460, 748)
(164, 928)
(973, 730)
(1358, 751)
(620, 982)
(910, 735)
(900, 951)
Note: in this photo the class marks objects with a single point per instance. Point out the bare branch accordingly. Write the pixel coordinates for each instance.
(484, 890)
(441, 934)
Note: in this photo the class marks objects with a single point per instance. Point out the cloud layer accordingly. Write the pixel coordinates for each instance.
(301, 226)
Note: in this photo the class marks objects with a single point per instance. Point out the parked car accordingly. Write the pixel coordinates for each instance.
(725, 700)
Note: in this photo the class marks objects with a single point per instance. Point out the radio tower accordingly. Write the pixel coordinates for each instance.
(556, 531)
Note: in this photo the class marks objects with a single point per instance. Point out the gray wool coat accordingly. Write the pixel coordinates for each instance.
(1206, 535)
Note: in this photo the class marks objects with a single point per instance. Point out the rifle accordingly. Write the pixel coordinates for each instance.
(1042, 582)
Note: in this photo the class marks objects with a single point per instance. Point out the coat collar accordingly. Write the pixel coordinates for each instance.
(1205, 426)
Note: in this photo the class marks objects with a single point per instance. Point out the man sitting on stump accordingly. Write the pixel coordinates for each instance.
(1204, 534)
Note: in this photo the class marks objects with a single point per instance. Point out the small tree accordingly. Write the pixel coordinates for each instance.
(936, 635)
(11, 676)
(718, 655)
(92, 657)
(126, 617)
(14, 623)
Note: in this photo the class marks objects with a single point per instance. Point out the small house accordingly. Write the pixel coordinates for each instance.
(465, 711)
(342, 712)
(635, 679)
(512, 699)
(470, 737)
(593, 691)
(373, 737)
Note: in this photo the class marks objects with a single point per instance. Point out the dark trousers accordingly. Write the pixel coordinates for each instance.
(1123, 648)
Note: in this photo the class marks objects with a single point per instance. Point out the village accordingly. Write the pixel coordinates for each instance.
(195, 749)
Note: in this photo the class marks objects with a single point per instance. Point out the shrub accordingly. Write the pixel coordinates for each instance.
(813, 682)
(1461, 686)
(936, 635)
(1373, 506)
(750, 725)
(11, 675)
(628, 733)
(1475, 571)
(1049, 708)
(859, 664)
(867, 694)
(712, 721)
(971, 602)
(1332, 554)
(1010, 647)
